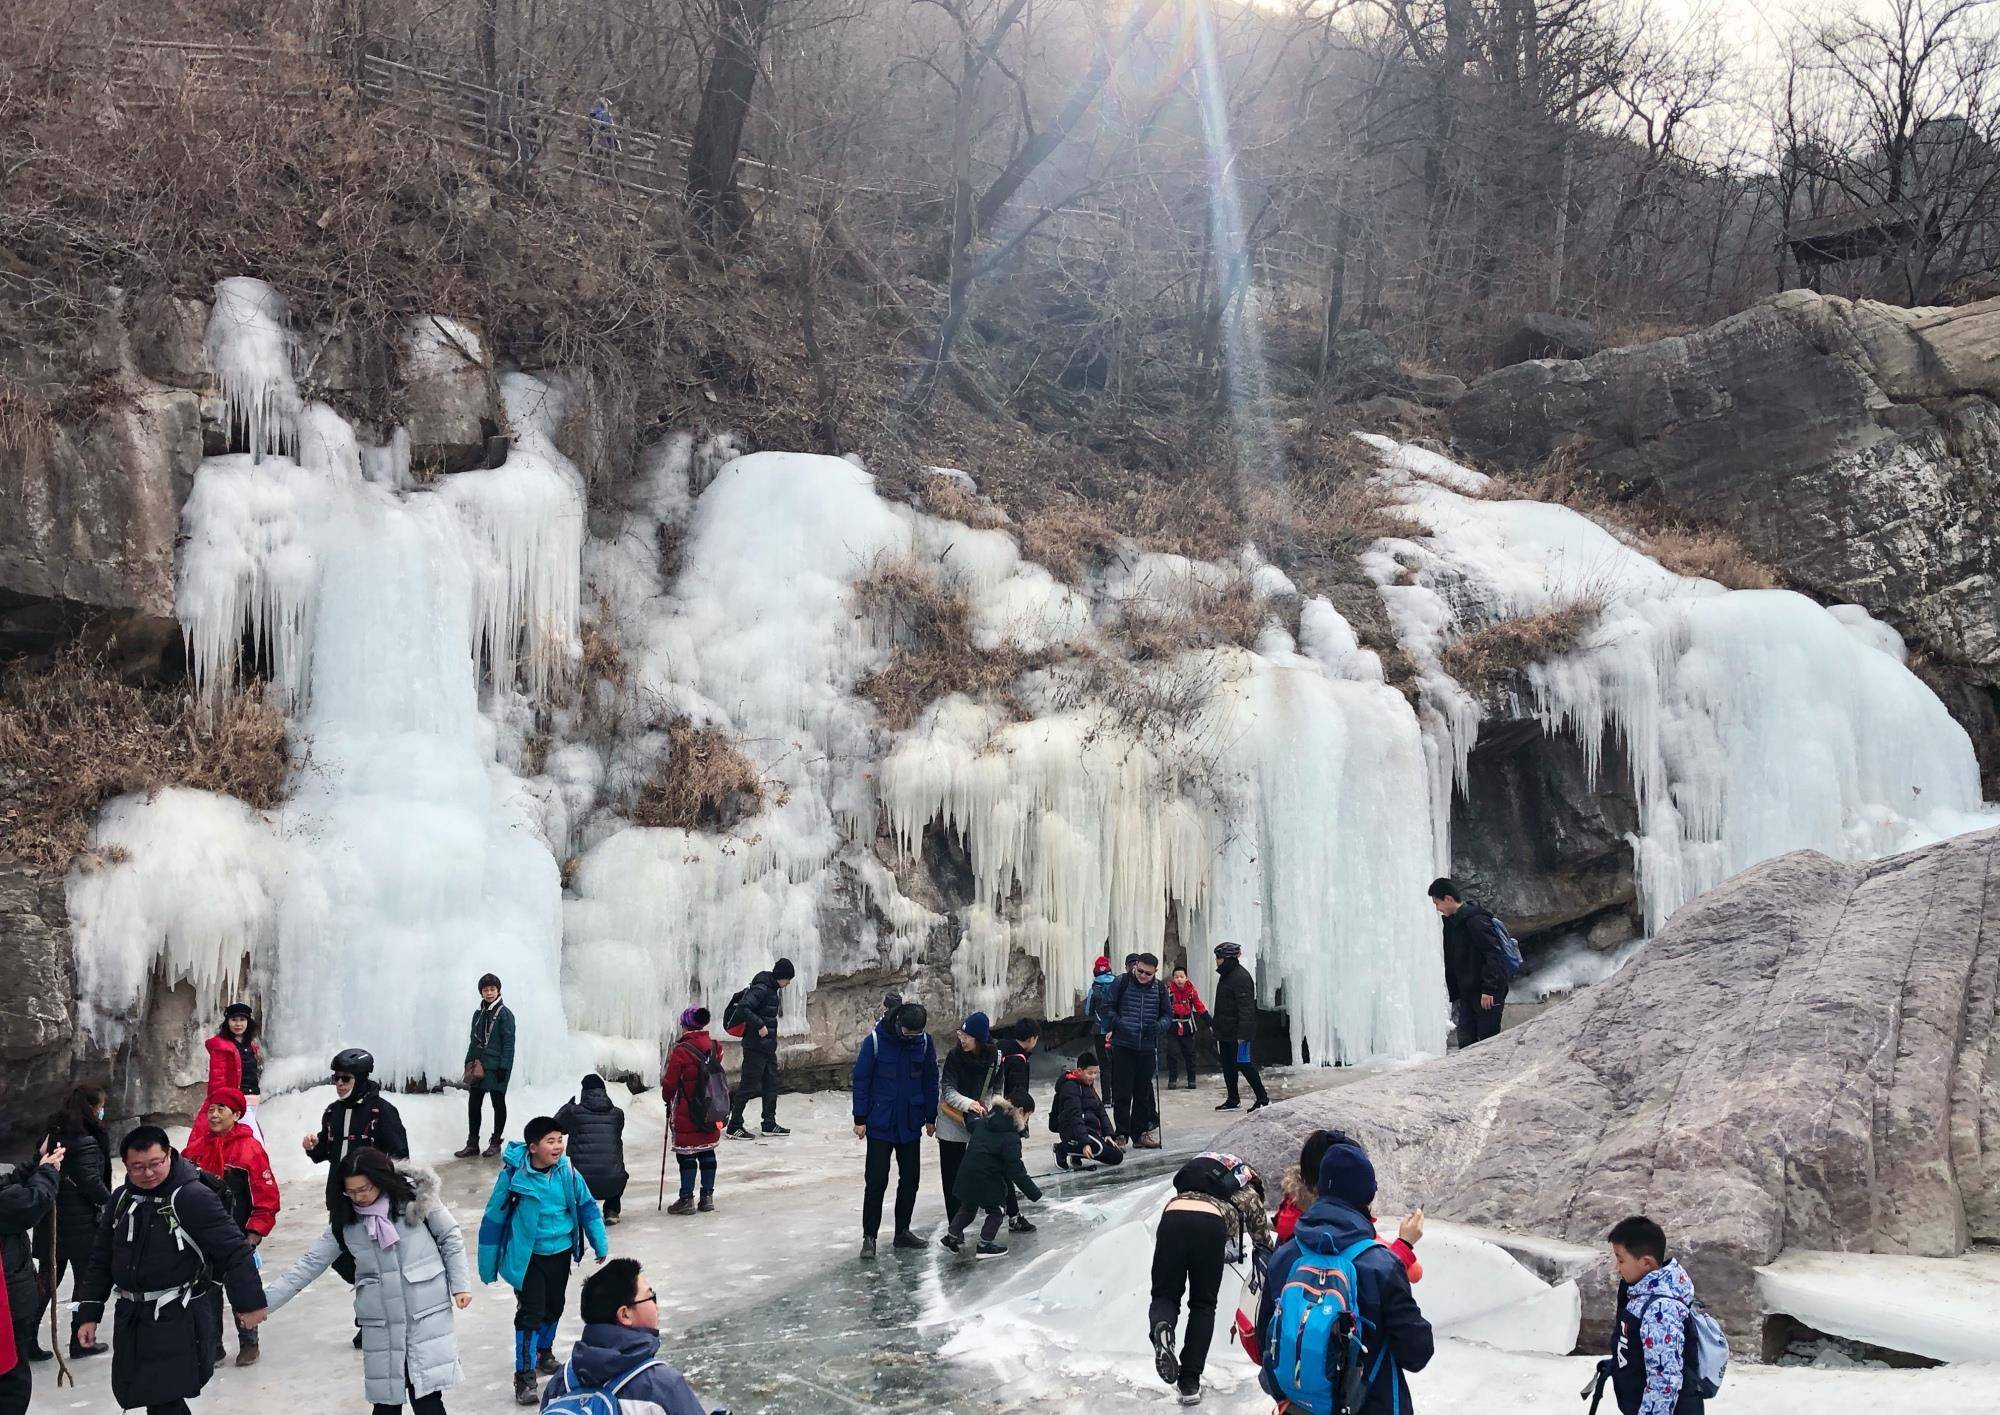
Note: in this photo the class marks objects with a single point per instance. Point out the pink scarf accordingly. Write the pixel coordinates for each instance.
(381, 1227)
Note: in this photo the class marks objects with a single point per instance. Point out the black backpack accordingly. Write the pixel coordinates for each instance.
(736, 1017)
(708, 1094)
(1216, 1174)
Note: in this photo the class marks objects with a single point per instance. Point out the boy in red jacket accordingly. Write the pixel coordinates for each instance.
(1184, 1004)
(228, 1149)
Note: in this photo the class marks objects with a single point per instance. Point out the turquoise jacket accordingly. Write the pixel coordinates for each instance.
(526, 1206)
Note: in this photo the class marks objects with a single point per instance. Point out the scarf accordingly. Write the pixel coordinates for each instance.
(488, 1014)
(381, 1227)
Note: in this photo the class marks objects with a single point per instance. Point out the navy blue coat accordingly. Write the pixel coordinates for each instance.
(895, 1084)
(1388, 1307)
(1137, 1010)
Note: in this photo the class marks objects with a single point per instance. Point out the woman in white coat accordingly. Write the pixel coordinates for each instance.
(410, 1270)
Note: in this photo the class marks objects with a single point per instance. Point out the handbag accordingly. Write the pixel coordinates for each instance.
(475, 1070)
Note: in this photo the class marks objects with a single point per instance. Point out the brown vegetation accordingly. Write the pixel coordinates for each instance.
(1512, 644)
(929, 629)
(73, 735)
(704, 783)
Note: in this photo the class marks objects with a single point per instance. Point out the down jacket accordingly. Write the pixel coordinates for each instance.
(895, 1084)
(761, 1002)
(1235, 1014)
(27, 1198)
(1137, 1011)
(596, 1129)
(86, 1189)
(238, 1148)
(402, 1295)
(1078, 1114)
(233, 1065)
(685, 1066)
(992, 1161)
(607, 1351)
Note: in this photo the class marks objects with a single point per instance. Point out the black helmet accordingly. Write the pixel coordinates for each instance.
(354, 1062)
(911, 1018)
(1229, 950)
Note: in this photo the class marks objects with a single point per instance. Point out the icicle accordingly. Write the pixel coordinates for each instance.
(250, 346)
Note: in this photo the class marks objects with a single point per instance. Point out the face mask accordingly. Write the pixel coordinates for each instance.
(100, 1112)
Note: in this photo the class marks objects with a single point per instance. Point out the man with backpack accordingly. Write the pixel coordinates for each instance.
(752, 1014)
(895, 1086)
(1668, 1354)
(615, 1364)
(164, 1241)
(1139, 1007)
(1480, 959)
(1216, 1216)
(1334, 1267)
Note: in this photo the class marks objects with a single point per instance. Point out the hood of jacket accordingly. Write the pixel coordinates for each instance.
(1331, 1225)
(591, 1095)
(699, 1039)
(429, 1190)
(1000, 1122)
(607, 1351)
(523, 1176)
(1668, 1281)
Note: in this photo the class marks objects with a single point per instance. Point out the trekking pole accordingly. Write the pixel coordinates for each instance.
(666, 1136)
(63, 1375)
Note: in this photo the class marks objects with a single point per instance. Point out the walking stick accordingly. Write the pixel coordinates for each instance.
(666, 1136)
(63, 1374)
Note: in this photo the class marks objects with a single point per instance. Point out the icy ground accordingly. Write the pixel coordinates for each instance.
(766, 1309)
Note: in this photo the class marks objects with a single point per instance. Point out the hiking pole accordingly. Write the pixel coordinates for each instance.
(665, 1137)
(64, 1377)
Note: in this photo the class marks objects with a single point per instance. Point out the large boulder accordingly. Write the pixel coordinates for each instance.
(1805, 1057)
(1542, 335)
(37, 983)
(1855, 446)
(449, 399)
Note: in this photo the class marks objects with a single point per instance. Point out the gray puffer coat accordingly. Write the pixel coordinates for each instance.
(402, 1295)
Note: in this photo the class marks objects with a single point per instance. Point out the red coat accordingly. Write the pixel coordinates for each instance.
(682, 1074)
(225, 1063)
(1184, 1001)
(238, 1148)
(9, 1358)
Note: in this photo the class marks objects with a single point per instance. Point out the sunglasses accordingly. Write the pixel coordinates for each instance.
(340, 1080)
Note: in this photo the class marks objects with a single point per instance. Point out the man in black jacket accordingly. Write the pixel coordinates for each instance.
(26, 1199)
(361, 1117)
(1475, 969)
(164, 1240)
(1234, 1018)
(760, 1048)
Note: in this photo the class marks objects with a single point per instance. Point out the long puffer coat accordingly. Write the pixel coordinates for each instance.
(687, 1066)
(1234, 1017)
(402, 1295)
(86, 1186)
(491, 1044)
(596, 1129)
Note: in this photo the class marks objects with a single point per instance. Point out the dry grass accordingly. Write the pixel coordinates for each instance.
(74, 735)
(1206, 619)
(1511, 644)
(930, 629)
(947, 497)
(705, 783)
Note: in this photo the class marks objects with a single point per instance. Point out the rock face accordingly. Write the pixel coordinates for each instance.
(37, 983)
(1805, 1057)
(1544, 336)
(1854, 446)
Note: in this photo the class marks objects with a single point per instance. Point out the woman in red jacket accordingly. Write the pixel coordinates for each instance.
(691, 1066)
(229, 1150)
(236, 1060)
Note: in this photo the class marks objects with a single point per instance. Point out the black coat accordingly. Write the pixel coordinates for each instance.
(760, 1001)
(1473, 962)
(374, 1124)
(27, 1197)
(85, 1190)
(992, 1163)
(596, 1129)
(1234, 1015)
(1014, 1080)
(1079, 1111)
(165, 1351)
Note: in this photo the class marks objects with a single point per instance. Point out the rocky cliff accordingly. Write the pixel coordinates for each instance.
(1807, 1057)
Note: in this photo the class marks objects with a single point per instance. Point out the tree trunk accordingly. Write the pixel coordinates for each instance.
(488, 40)
(718, 207)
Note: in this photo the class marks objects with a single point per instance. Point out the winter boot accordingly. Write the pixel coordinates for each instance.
(546, 1362)
(990, 1249)
(1062, 1158)
(773, 1128)
(1018, 1223)
(1164, 1360)
(868, 1249)
(682, 1205)
(906, 1239)
(247, 1350)
(1149, 1141)
(525, 1392)
(1190, 1083)
(1190, 1392)
(471, 1150)
(737, 1132)
(951, 1240)
(707, 1204)
(1230, 1105)
(493, 1145)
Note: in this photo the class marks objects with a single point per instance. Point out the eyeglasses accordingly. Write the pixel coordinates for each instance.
(642, 1301)
(148, 1166)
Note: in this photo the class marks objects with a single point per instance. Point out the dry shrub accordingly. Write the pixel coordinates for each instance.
(73, 735)
(1711, 555)
(930, 628)
(1206, 619)
(1512, 644)
(704, 784)
(1066, 538)
(1157, 703)
(951, 499)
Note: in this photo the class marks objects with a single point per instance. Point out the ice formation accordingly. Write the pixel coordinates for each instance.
(1754, 721)
(399, 869)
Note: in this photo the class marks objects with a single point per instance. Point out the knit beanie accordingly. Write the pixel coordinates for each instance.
(891, 1001)
(1102, 965)
(693, 1018)
(978, 1027)
(1346, 1174)
(783, 969)
(226, 1095)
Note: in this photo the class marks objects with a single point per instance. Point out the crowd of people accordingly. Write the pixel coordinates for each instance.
(1337, 1327)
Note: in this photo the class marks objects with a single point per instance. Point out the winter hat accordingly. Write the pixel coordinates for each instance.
(693, 1018)
(239, 1009)
(226, 1095)
(1347, 1175)
(978, 1027)
(783, 969)
(1102, 965)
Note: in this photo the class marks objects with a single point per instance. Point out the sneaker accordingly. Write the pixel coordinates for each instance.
(1257, 1106)
(1190, 1392)
(1164, 1360)
(868, 1249)
(546, 1363)
(1230, 1105)
(775, 1129)
(524, 1389)
(683, 1205)
(1062, 1159)
(952, 1241)
(707, 1204)
(611, 1220)
(737, 1132)
(246, 1354)
(1018, 1223)
(1148, 1141)
(907, 1239)
(492, 1147)
(989, 1249)
(471, 1150)
(1190, 1083)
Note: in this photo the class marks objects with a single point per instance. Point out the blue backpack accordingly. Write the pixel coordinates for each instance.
(1315, 1350)
(1510, 951)
(600, 1400)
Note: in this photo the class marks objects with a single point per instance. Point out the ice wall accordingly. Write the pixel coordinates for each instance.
(401, 865)
(1755, 722)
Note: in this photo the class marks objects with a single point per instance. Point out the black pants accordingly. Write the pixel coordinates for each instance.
(544, 1290)
(172, 1407)
(72, 1255)
(760, 1078)
(909, 1156)
(951, 1154)
(432, 1404)
(1231, 1066)
(691, 1165)
(1179, 1044)
(1476, 1023)
(1102, 1152)
(17, 1387)
(1136, 1110)
(962, 1218)
(1188, 1251)
(1107, 1079)
(473, 1096)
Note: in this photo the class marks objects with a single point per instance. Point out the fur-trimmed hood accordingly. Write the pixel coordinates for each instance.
(429, 1190)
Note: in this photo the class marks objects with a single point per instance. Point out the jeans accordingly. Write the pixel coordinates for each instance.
(760, 1078)
(1231, 1066)
(473, 1096)
(909, 1157)
(1136, 1110)
(1188, 1250)
(704, 1162)
(1476, 1023)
